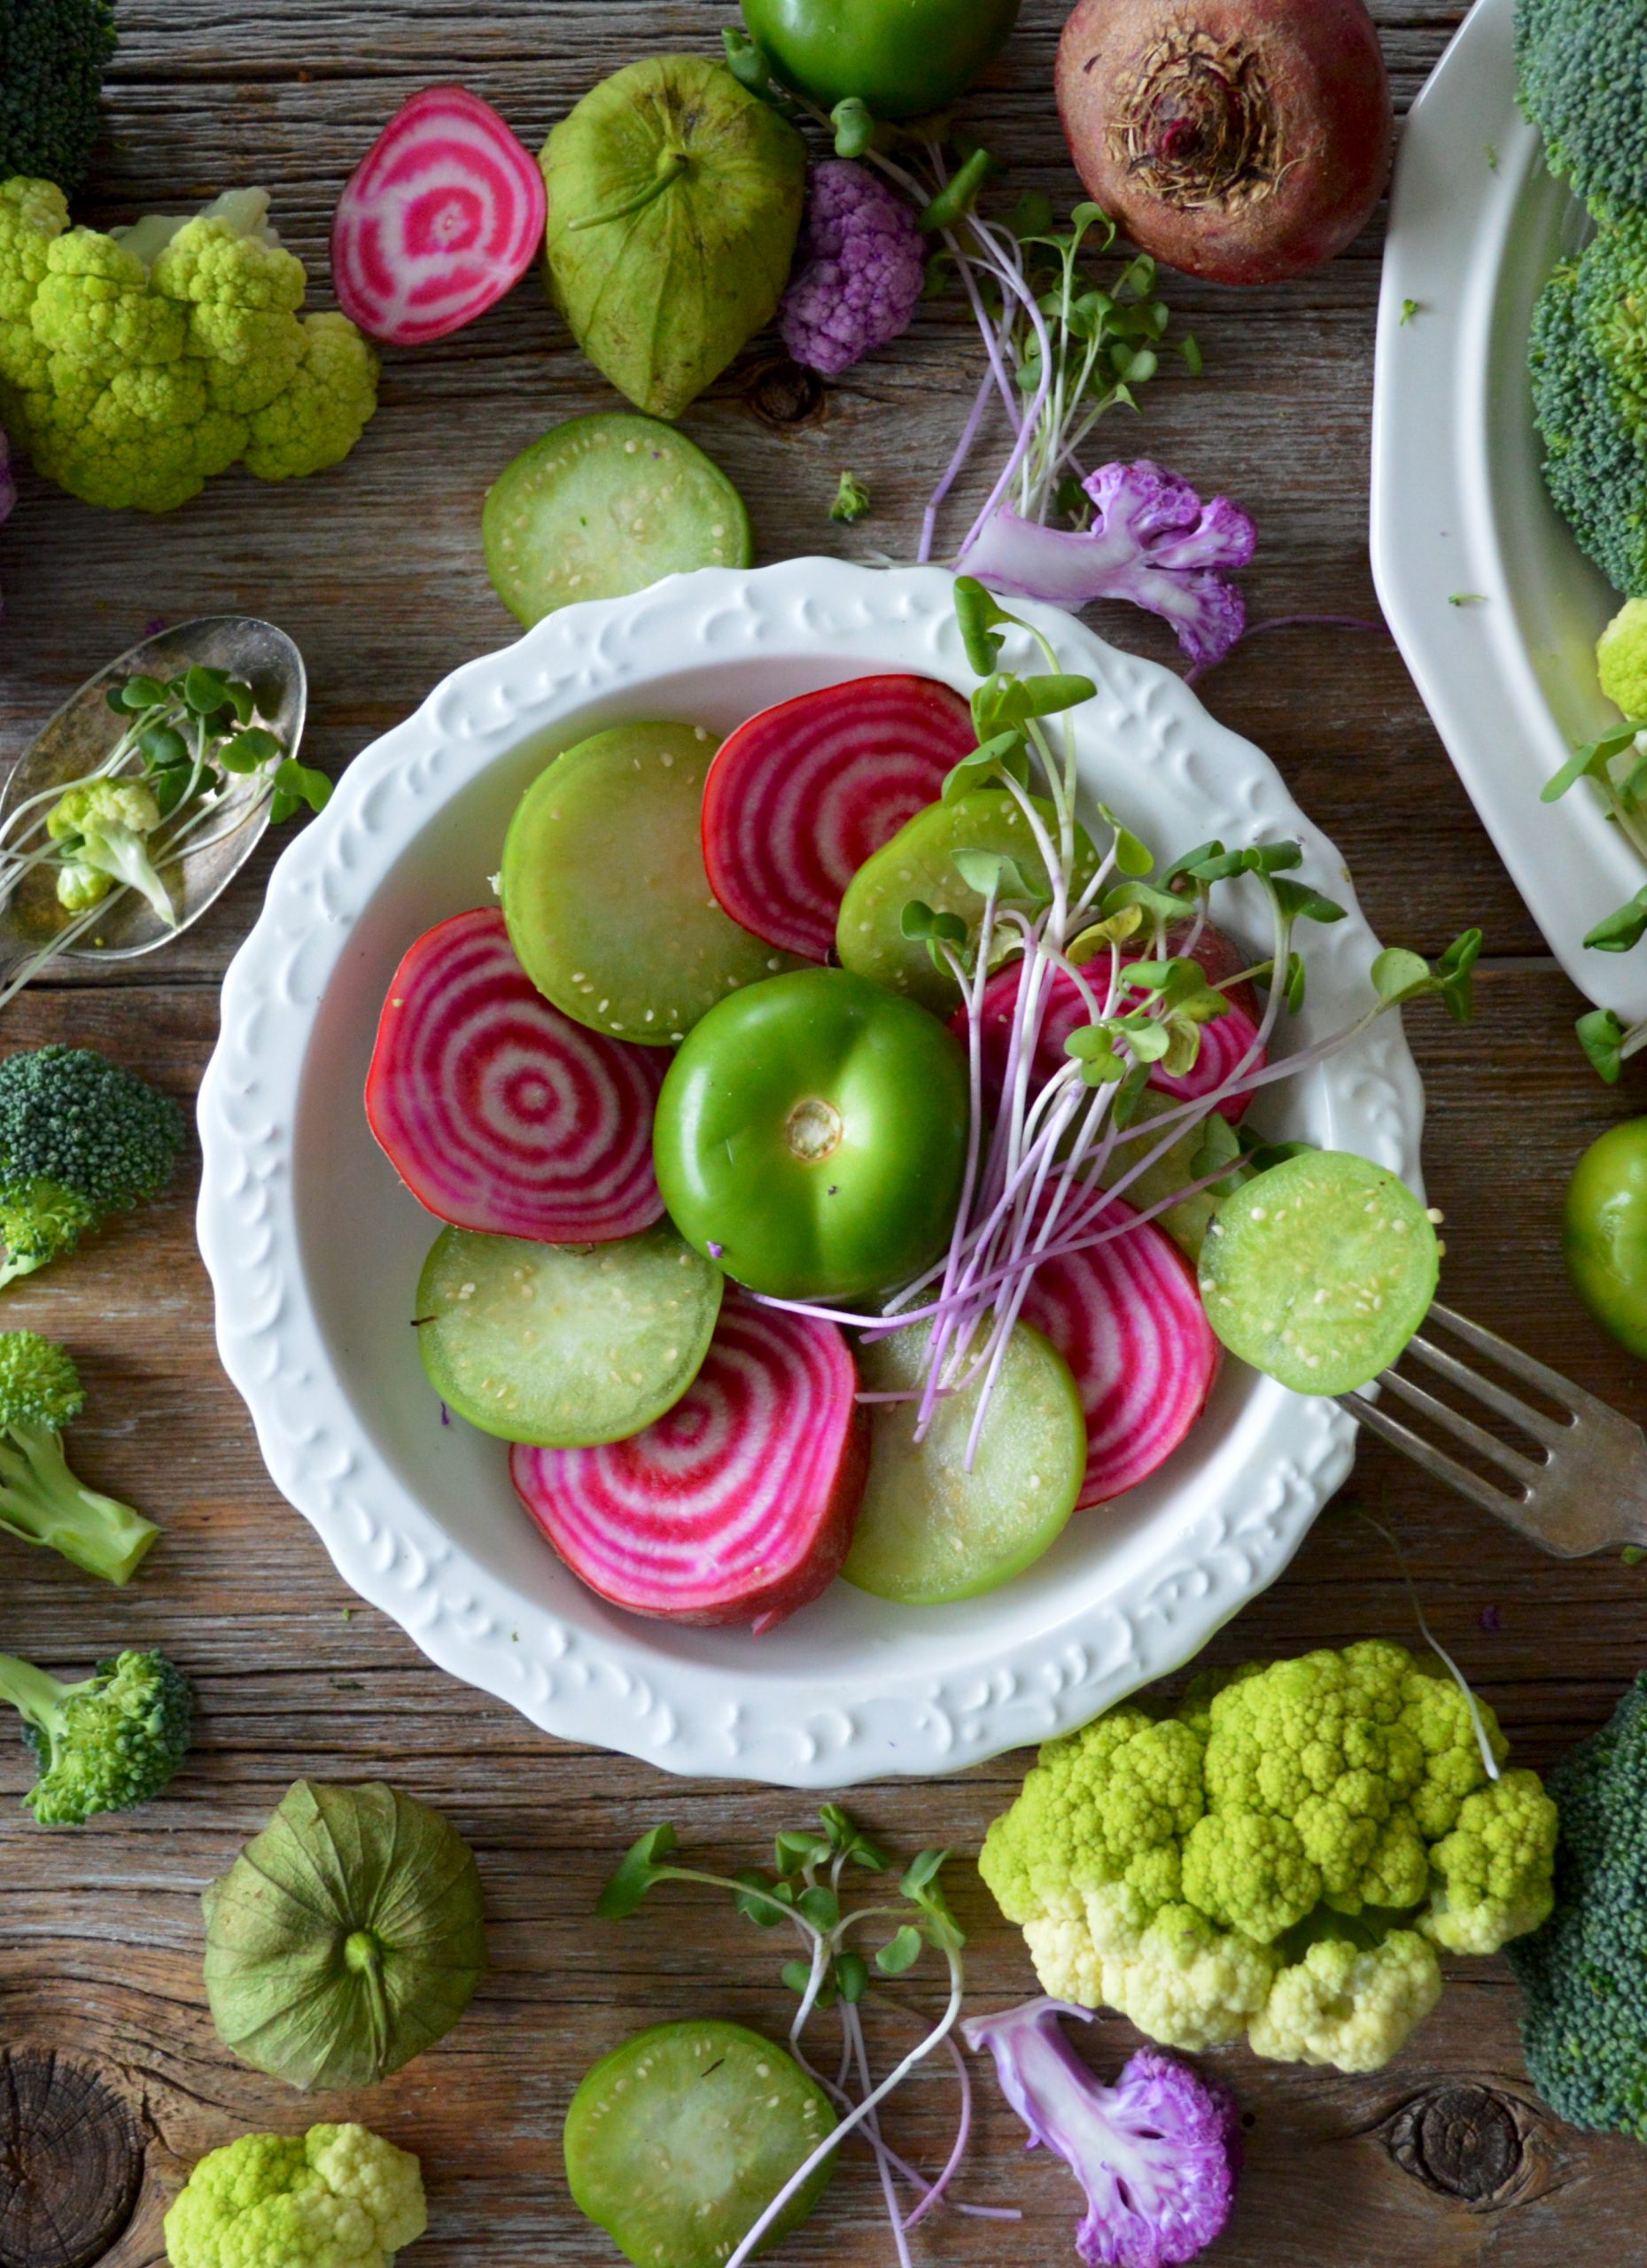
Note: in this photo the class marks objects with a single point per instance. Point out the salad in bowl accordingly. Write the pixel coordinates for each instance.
(853, 1079)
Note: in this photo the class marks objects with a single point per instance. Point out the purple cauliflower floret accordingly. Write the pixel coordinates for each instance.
(1152, 541)
(8, 486)
(859, 271)
(1158, 2154)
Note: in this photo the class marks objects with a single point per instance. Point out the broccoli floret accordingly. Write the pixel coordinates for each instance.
(1589, 361)
(1583, 78)
(80, 1139)
(1584, 1974)
(51, 57)
(1621, 658)
(104, 825)
(109, 1744)
(41, 1500)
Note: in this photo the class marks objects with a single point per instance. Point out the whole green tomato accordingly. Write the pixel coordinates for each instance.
(901, 57)
(812, 1136)
(1604, 1232)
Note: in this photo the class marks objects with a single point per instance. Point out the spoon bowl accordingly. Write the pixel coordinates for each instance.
(81, 734)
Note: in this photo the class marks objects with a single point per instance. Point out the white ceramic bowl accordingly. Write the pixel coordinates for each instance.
(1459, 507)
(314, 1247)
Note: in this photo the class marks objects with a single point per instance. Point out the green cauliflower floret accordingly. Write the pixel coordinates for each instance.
(109, 1744)
(1588, 364)
(1582, 70)
(136, 365)
(80, 1139)
(42, 1500)
(104, 825)
(1274, 1858)
(335, 2197)
(1584, 1973)
(51, 57)
(1621, 658)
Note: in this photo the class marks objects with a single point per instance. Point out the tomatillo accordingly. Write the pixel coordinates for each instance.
(812, 1136)
(901, 57)
(1604, 1232)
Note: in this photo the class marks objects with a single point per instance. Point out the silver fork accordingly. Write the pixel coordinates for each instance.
(1582, 1486)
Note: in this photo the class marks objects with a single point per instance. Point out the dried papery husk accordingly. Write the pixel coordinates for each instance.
(346, 1938)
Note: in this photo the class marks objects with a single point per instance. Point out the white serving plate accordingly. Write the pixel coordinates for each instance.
(314, 1247)
(1459, 504)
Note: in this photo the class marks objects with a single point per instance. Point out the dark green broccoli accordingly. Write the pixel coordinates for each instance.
(80, 1139)
(1585, 1972)
(1582, 65)
(1588, 361)
(51, 57)
(41, 1500)
(109, 1744)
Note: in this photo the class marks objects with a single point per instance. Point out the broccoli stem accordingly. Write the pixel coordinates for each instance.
(42, 1502)
(37, 1697)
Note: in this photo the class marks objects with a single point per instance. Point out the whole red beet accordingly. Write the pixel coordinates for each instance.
(1242, 140)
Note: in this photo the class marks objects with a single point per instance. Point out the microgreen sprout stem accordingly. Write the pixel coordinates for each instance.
(803, 1890)
(1045, 1174)
(159, 796)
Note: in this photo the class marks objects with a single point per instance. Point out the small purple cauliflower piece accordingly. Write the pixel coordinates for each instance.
(858, 273)
(1152, 541)
(8, 486)
(1158, 2154)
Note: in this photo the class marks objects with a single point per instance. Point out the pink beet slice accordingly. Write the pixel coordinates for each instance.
(499, 1113)
(738, 1504)
(1126, 1318)
(800, 796)
(1224, 1042)
(443, 215)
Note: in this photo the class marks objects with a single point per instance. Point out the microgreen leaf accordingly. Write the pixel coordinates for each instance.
(921, 1872)
(1129, 1094)
(992, 873)
(797, 1975)
(1185, 866)
(639, 1872)
(300, 783)
(854, 127)
(1264, 858)
(163, 746)
(981, 624)
(747, 62)
(819, 1905)
(1133, 858)
(248, 751)
(1261, 1154)
(1299, 902)
(918, 921)
(136, 694)
(953, 202)
(761, 1900)
(1622, 931)
(1147, 898)
(1220, 1146)
(1455, 971)
(1601, 1037)
(794, 1848)
(1297, 983)
(1001, 752)
(206, 691)
(901, 1951)
(1398, 975)
(1115, 929)
(1592, 759)
(1149, 1040)
(851, 1974)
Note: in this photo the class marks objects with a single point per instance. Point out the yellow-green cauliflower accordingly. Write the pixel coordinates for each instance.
(136, 365)
(1281, 1856)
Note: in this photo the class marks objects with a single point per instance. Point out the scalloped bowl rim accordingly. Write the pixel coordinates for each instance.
(298, 1213)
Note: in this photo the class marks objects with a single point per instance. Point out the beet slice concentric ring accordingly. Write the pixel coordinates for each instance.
(1126, 1318)
(738, 1504)
(499, 1113)
(802, 795)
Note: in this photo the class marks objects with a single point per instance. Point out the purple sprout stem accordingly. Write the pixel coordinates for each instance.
(854, 2030)
(957, 463)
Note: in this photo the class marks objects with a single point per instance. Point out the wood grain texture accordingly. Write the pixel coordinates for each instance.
(1444, 2161)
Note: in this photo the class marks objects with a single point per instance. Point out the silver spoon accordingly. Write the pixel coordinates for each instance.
(83, 733)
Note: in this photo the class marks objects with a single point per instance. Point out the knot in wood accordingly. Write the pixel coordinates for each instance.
(782, 393)
(1463, 2142)
(71, 2161)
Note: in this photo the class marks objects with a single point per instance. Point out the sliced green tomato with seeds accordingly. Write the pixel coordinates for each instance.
(918, 865)
(678, 2140)
(564, 1346)
(930, 1531)
(605, 505)
(1320, 1270)
(605, 892)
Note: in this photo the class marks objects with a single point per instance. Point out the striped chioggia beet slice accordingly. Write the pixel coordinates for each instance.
(443, 215)
(801, 795)
(1226, 1041)
(738, 1504)
(499, 1113)
(1126, 1318)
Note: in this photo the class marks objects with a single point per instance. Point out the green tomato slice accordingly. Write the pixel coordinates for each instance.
(676, 2142)
(564, 1346)
(605, 505)
(1319, 1271)
(930, 1531)
(605, 891)
(918, 864)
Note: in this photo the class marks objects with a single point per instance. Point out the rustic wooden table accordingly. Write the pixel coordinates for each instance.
(1443, 2159)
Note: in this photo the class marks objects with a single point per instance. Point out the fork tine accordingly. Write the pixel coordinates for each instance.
(1433, 1461)
(1551, 1431)
(1511, 1359)
(1463, 1429)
